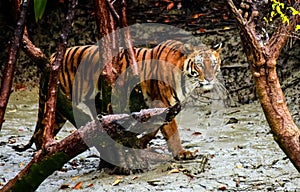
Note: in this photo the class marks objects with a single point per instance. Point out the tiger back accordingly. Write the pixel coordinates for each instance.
(168, 73)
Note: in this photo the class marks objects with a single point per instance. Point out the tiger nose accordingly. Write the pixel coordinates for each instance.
(209, 78)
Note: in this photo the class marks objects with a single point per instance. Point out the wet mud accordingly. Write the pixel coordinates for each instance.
(240, 150)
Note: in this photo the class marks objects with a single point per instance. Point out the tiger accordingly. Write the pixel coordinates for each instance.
(168, 73)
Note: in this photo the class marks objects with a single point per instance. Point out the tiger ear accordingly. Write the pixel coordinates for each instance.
(217, 47)
(187, 48)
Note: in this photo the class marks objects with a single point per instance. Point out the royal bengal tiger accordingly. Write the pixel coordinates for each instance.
(168, 73)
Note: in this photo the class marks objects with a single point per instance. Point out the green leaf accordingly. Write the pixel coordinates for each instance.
(39, 8)
(297, 27)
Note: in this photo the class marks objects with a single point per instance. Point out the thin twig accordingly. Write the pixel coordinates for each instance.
(113, 11)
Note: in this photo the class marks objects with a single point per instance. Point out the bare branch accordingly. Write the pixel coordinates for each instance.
(122, 20)
(128, 41)
(279, 38)
(48, 134)
(236, 13)
(113, 10)
(6, 86)
(34, 53)
(247, 29)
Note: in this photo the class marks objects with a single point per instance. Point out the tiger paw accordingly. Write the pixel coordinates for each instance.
(186, 155)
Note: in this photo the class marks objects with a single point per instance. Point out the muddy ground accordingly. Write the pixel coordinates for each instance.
(241, 156)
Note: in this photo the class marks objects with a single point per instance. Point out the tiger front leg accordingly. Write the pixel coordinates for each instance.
(171, 134)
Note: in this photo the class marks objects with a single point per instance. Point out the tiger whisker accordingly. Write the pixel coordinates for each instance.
(194, 86)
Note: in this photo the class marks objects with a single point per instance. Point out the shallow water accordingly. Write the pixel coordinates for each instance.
(241, 156)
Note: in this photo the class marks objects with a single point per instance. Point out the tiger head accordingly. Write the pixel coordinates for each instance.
(202, 64)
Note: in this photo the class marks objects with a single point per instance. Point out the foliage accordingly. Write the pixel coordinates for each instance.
(280, 9)
(39, 8)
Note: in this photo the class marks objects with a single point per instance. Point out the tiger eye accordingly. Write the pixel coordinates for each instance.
(199, 59)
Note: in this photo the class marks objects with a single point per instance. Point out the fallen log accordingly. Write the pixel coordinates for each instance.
(118, 134)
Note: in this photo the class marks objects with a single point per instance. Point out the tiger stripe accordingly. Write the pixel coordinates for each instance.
(168, 73)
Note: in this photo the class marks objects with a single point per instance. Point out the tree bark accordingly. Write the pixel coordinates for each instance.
(98, 132)
(108, 41)
(35, 53)
(128, 40)
(14, 46)
(48, 134)
(262, 59)
(107, 18)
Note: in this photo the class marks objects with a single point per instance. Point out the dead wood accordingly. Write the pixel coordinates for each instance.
(122, 129)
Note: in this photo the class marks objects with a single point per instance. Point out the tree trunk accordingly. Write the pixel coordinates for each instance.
(262, 59)
(108, 41)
